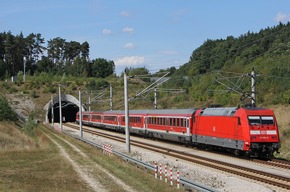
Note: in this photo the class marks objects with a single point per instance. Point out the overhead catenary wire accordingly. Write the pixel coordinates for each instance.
(158, 82)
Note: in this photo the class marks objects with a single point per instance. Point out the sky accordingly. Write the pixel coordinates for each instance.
(155, 34)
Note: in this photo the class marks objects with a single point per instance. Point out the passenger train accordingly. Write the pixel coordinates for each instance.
(244, 131)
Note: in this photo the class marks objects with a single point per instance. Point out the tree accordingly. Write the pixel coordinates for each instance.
(72, 50)
(102, 68)
(3, 69)
(45, 64)
(55, 50)
(85, 50)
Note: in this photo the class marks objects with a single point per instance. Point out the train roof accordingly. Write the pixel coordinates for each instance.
(224, 111)
(155, 111)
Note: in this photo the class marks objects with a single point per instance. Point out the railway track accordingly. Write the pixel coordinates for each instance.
(275, 163)
(258, 175)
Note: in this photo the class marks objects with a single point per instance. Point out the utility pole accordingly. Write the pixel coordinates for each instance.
(24, 65)
(155, 98)
(111, 98)
(60, 109)
(253, 80)
(127, 130)
(90, 100)
(80, 113)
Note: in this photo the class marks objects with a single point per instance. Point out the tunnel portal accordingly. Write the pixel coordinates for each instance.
(69, 106)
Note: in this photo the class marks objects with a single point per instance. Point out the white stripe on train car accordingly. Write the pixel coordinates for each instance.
(254, 132)
(272, 132)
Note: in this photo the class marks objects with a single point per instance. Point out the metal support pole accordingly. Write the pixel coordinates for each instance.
(90, 101)
(80, 114)
(24, 65)
(253, 78)
(127, 130)
(111, 98)
(155, 98)
(60, 109)
(52, 112)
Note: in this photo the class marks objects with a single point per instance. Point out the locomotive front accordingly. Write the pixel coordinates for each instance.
(263, 132)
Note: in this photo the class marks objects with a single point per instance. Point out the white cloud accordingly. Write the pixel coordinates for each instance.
(129, 61)
(282, 17)
(129, 45)
(125, 13)
(106, 32)
(128, 30)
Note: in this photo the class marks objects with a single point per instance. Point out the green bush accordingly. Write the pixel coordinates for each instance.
(6, 112)
(30, 126)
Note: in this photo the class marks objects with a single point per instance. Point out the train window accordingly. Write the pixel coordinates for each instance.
(110, 118)
(267, 120)
(254, 120)
(150, 120)
(153, 120)
(96, 117)
(170, 122)
(177, 122)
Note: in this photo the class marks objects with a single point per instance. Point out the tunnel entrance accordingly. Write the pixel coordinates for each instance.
(69, 106)
(69, 111)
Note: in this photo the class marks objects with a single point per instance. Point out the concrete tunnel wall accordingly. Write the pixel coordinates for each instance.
(70, 106)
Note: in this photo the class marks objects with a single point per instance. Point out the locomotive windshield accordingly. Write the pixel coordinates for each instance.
(261, 120)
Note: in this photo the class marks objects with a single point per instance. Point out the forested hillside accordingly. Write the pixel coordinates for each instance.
(218, 71)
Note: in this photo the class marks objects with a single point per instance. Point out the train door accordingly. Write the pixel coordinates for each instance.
(118, 120)
(237, 132)
(145, 123)
(187, 125)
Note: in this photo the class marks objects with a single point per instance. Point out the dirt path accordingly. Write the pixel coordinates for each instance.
(84, 170)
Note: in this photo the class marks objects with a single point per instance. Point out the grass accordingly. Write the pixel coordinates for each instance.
(35, 164)
(283, 119)
(28, 164)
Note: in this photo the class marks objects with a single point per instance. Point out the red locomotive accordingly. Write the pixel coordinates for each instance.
(251, 131)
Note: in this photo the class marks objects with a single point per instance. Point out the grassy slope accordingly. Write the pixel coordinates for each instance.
(283, 118)
(28, 164)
